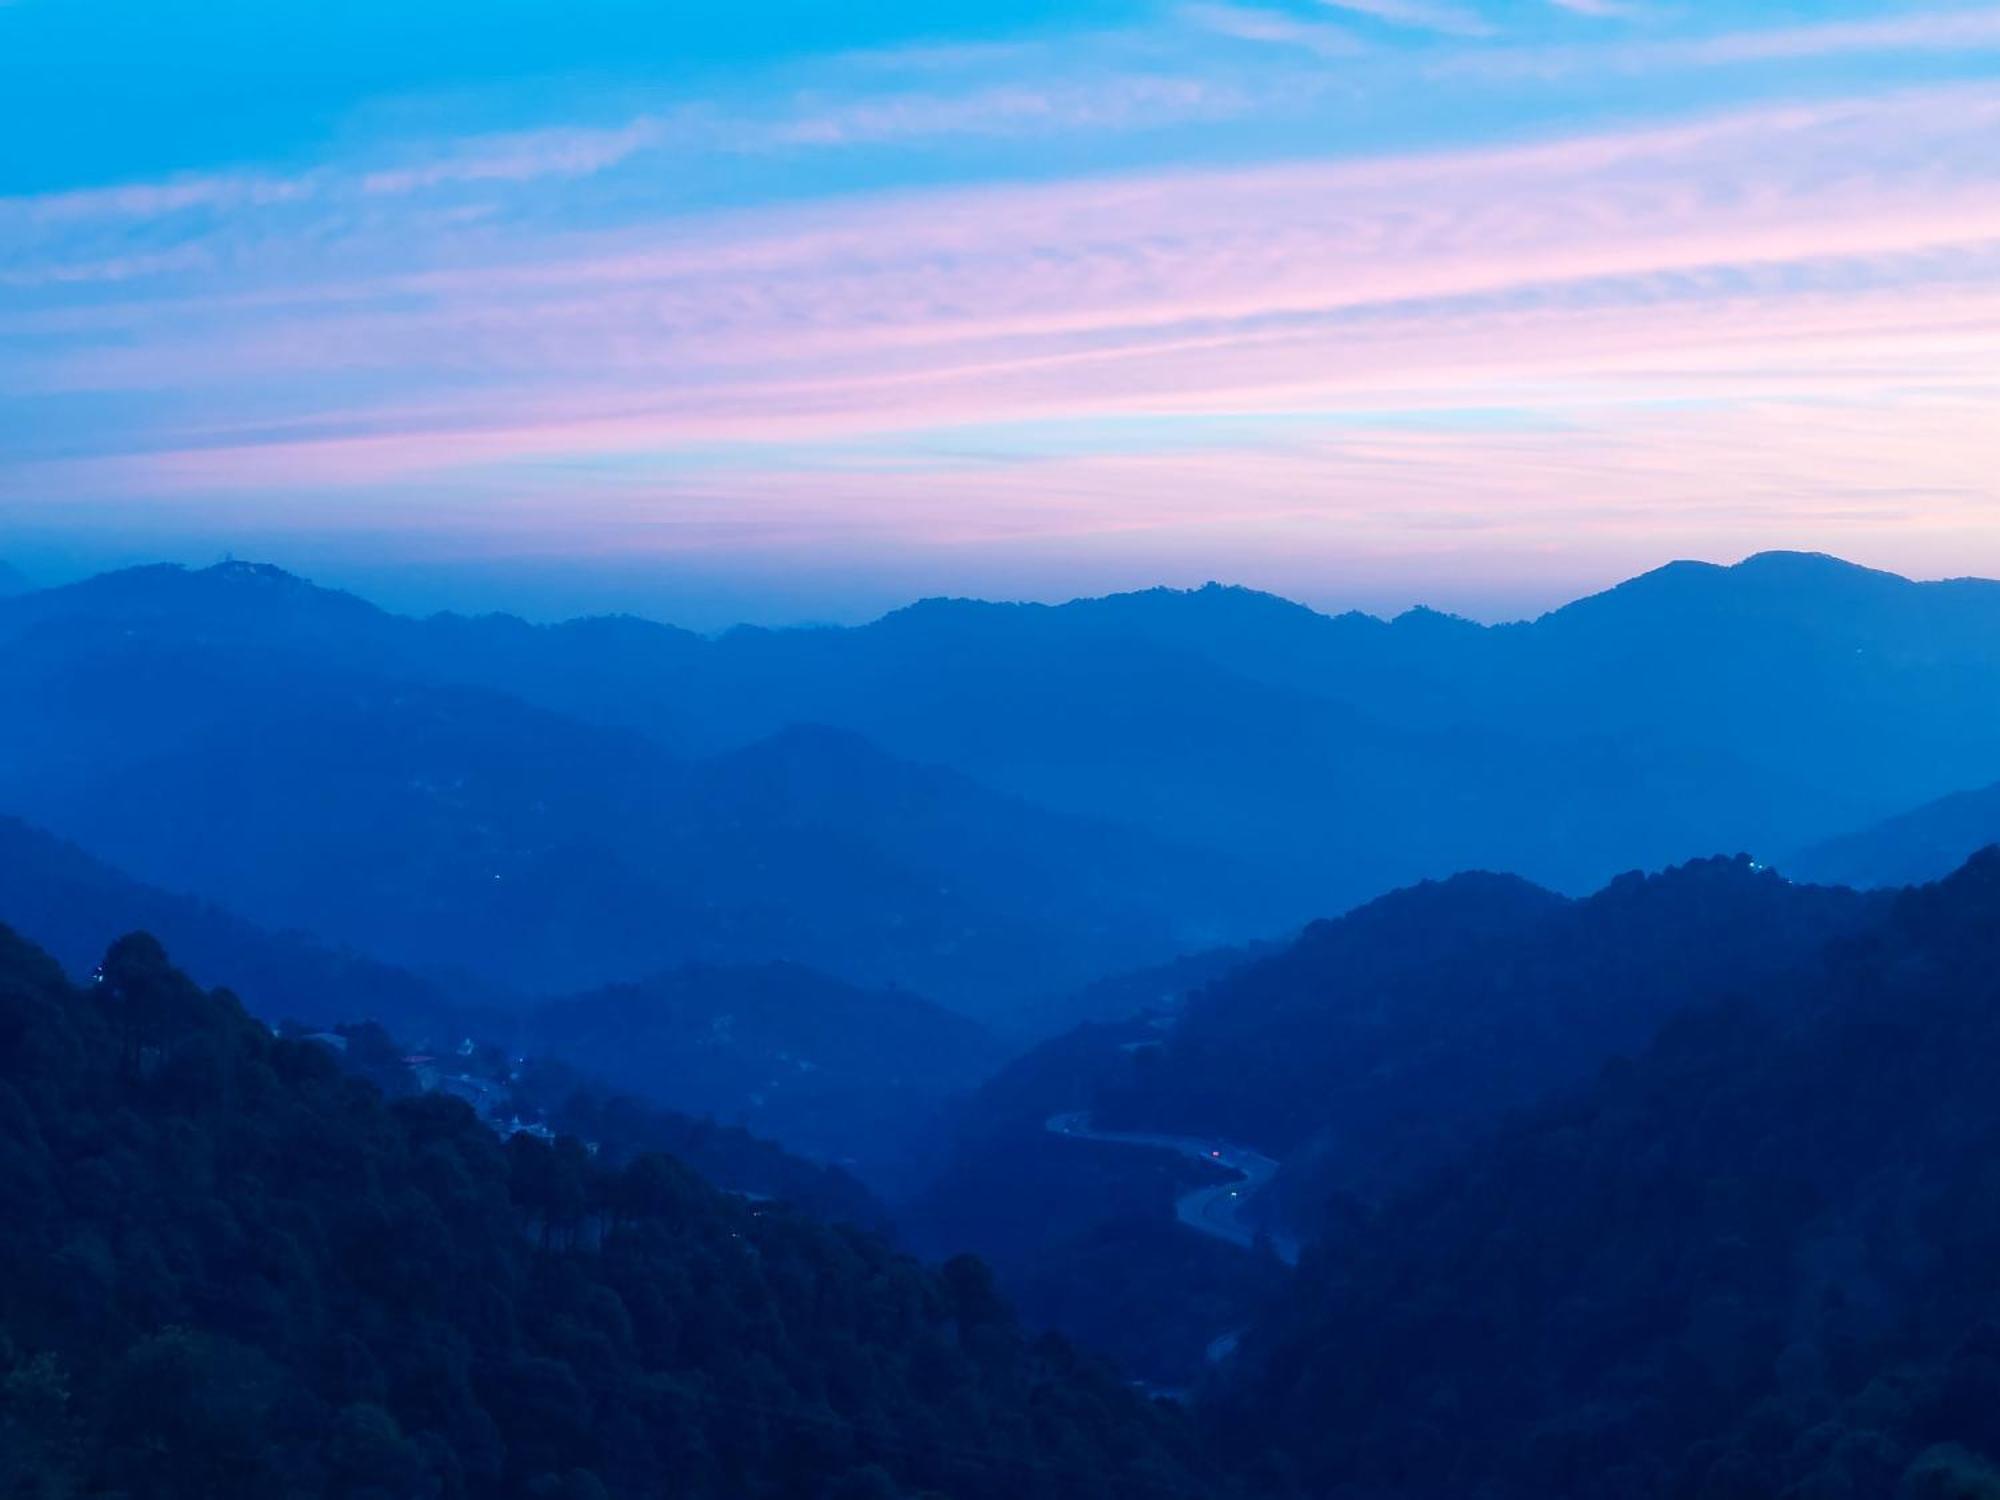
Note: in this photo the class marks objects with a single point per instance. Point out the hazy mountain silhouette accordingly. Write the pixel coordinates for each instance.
(1692, 708)
(1757, 706)
(1209, 765)
(221, 746)
(843, 1074)
(1155, 990)
(74, 906)
(1924, 844)
(1756, 1260)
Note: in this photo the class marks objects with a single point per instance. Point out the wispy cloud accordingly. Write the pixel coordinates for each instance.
(1947, 31)
(523, 156)
(1425, 15)
(145, 200)
(1605, 10)
(1251, 24)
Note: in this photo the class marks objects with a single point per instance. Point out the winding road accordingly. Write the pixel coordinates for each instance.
(1219, 1209)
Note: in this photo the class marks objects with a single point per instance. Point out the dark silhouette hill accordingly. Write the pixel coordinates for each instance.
(1375, 1040)
(1360, 1055)
(1757, 1259)
(227, 1268)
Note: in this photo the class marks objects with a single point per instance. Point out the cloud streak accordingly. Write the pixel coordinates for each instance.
(1424, 15)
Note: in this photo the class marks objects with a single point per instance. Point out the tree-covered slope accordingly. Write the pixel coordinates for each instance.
(1377, 1039)
(227, 1268)
(1758, 1261)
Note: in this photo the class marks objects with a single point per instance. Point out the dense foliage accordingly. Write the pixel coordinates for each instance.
(229, 1268)
(514, 1094)
(1377, 1042)
(1757, 1262)
(623, 1127)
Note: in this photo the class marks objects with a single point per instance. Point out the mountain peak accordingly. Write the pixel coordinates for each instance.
(244, 573)
(1802, 566)
(1795, 585)
(228, 588)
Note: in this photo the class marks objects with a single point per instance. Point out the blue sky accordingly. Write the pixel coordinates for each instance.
(788, 311)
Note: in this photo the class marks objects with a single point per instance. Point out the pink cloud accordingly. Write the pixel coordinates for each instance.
(1118, 272)
(1723, 322)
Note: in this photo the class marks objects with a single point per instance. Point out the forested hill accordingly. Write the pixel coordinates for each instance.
(1756, 1262)
(1377, 1039)
(228, 1268)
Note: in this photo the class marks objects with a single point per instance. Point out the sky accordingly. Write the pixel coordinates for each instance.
(785, 310)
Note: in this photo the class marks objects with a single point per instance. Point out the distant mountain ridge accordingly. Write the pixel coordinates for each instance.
(293, 754)
(1140, 774)
(1913, 848)
(74, 907)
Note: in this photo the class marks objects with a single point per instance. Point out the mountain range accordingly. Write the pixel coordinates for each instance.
(982, 802)
(246, 738)
(1665, 1183)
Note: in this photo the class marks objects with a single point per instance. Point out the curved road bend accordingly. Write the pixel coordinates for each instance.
(1220, 1209)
